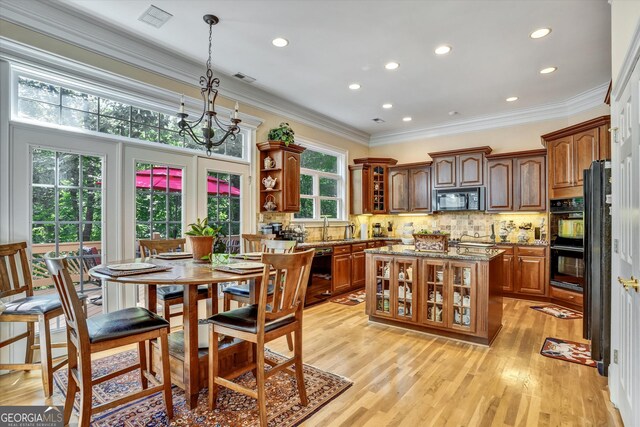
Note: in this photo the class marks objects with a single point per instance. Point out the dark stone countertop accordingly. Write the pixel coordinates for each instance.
(408, 250)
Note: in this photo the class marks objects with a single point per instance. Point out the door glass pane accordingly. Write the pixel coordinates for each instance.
(383, 286)
(224, 209)
(66, 219)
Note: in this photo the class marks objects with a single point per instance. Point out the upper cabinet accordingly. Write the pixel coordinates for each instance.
(410, 188)
(517, 181)
(571, 151)
(369, 180)
(284, 168)
(459, 168)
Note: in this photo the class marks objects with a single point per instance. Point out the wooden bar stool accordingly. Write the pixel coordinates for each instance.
(104, 332)
(261, 323)
(168, 295)
(15, 279)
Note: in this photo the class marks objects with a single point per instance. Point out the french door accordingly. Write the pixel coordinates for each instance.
(624, 373)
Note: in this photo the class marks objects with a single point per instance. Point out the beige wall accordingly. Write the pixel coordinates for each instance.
(625, 15)
(502, 140)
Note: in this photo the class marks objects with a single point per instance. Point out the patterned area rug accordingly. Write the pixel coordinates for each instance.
(559, 312)
(350, 299)
(234, 409)
(569, 351)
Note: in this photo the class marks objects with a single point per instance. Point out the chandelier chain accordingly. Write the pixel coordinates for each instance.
(210, 44)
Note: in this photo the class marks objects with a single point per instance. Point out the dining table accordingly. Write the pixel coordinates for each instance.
(189, 274)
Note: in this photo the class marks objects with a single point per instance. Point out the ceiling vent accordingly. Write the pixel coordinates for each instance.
(244, 77)
(155, 16)
(378, 120)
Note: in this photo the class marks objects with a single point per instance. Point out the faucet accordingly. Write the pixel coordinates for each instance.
(325, 227)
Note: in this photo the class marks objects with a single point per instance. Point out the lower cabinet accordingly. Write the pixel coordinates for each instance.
(524, 270)
(358, 268)
(349, 266)
(341, 273)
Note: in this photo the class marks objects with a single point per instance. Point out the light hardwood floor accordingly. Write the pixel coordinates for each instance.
(413, 379)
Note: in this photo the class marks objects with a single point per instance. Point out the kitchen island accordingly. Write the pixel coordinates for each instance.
(448, 294)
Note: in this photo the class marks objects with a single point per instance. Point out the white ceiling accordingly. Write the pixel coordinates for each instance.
(334, 43)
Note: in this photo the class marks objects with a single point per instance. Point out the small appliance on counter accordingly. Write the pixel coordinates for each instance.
(349, 230)
(376, 230)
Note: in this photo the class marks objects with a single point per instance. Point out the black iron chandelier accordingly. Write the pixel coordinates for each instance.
(209, 91)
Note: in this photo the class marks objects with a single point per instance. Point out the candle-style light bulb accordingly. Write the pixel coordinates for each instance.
(182, 104)
(235, 112)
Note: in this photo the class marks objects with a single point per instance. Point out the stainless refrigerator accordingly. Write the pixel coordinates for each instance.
(597, 261)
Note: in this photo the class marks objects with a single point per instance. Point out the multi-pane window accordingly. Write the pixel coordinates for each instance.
(50, 103)
(158, 201)
(66, 218)
(223, 206)
(321, 185)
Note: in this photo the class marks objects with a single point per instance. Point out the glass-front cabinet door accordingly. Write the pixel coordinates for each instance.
(379, 188)
(383, 271)
(434, 278)
(463, 296)
(405, 270)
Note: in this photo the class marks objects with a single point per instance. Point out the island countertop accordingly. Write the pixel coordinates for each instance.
(408, 250)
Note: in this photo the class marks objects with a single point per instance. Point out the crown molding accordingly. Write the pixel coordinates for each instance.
(631, 58)
(62, 22)
(581, 102)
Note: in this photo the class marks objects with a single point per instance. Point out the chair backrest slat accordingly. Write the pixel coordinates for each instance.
(15, 275)
(291, 278)
(278, 246)
(71, 305)
(253, 242)
(154, 247)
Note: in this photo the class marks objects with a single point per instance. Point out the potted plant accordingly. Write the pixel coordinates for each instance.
(205, 240)
(282, 133)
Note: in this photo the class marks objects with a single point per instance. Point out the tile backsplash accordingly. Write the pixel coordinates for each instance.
(454, 223)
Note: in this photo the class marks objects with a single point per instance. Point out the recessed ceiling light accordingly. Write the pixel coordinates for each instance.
(453, 113)
(511, 99)
(406, 119)
(442, 50)
(391, 65)
(387, 106)
(279, 42)
(540, 32)
(548, 70)
(354, 86)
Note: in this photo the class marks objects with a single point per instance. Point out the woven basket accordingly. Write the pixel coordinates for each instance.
(431, 242)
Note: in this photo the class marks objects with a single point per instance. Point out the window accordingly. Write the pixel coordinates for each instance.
(50, 103)
(158, 201)
(66, 218)
(223, 206)
(321, 185)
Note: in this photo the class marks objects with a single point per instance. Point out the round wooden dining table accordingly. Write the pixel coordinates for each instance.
(190, 275)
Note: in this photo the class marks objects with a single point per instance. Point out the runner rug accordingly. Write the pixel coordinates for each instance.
(234, 409)
(350, 299)
(557, 311)
(569, 351)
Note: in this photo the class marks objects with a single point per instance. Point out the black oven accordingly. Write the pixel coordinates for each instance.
(567, 243)
(567, 267)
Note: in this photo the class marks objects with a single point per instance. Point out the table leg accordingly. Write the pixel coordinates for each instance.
(152, 306)
(190, 327)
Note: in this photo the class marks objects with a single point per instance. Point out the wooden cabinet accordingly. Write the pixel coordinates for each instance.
(285, 169)
(524, 270)
(434, 277)
(566, 297)
(341, 273)
(349, 266)
(517, 181)
(571, 151)
(459, 168)
(358, 269)
(380, 292)
(369, 185)
(410, 188)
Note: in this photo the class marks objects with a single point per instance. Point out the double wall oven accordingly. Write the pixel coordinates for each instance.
(567, 243)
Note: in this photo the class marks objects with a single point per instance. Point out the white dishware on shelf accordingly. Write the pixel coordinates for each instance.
(466, 301)
(438, 314)
(438, 296)
(269, 182)
(466, 277)
(269, 163)
(439, 276)
(457, 318)
(431, 296)
(401, 275)
(386, 272)
(410, 274)
(457, 298)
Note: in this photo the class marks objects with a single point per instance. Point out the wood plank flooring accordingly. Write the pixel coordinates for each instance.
(414, 379)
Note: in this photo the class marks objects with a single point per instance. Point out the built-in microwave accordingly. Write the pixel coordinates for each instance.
(459, 199)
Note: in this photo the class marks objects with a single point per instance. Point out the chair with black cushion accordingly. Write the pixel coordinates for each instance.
(15, 279)
(133, 325)
(169, 296)
(261, 323)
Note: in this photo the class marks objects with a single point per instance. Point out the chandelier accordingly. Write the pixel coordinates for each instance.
(209, 118)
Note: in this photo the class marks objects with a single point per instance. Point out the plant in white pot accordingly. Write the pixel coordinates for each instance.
(205, 240)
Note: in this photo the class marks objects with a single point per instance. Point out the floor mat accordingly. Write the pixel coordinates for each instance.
(557, 311)
(569, 351)
(350, 299)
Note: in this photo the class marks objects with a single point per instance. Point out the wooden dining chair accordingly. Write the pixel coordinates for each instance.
(168, 295)
(133, 325)
(261, 323)
(15, 279)
(253, 242)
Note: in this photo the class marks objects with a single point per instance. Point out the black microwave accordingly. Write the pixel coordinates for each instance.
(459, 199)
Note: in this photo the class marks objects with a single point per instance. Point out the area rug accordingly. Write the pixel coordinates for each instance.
(557, 311)
(350, 299)
(569, 351)
(234, 409)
